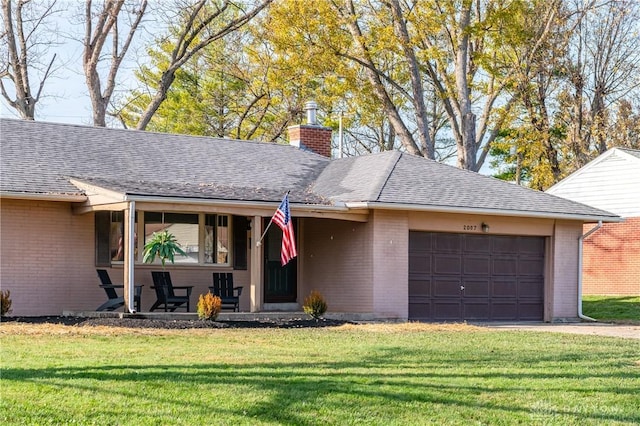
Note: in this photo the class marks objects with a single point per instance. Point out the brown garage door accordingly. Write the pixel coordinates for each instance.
(475, 277)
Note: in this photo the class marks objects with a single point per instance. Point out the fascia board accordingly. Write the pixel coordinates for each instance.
(488, 212)
(72, 198)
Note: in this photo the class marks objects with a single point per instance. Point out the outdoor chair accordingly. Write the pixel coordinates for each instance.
(114, 301)
(165, 293)
(224, 289)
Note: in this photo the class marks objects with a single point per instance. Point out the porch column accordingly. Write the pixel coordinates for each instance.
(256, 265)
(129, 256)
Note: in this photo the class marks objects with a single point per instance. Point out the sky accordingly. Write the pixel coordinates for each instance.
(65, 98)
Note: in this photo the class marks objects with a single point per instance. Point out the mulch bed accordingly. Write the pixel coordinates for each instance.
(175, 324)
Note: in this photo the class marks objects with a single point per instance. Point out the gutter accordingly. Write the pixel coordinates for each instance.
(73, 198)
(337, 207)
(480, 211)
(580, 250)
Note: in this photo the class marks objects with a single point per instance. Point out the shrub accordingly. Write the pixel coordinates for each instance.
(209, 306)
(5, 302)
(315, 305)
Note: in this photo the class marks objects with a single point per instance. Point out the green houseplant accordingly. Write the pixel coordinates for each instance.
(163, 245)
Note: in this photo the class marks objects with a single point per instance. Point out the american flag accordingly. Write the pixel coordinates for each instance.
(282, 218)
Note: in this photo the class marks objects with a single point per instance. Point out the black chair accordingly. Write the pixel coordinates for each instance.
(166, 295)
(224, 289)
(114, 301)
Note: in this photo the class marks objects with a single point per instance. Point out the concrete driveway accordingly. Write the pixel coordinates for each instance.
(595, 329)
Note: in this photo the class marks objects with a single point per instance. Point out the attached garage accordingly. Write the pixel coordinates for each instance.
(454, 277)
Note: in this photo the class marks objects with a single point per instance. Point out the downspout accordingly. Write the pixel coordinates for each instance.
(580, 250)
(131, 258)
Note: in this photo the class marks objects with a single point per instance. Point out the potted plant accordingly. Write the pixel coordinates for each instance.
(163, 245)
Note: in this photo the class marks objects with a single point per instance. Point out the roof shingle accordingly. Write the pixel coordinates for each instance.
(38, 157)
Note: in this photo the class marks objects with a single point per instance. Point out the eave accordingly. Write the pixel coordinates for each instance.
(482, 211)
(70, 198)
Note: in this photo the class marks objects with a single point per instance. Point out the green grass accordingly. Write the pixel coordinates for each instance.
(612, 308)
(369, 375)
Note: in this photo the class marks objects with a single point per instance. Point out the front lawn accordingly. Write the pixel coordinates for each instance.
(402, 374)
(621, 309)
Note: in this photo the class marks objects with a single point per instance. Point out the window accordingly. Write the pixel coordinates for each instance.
(216, 246)
(205, 238)
(116, 233)
(110, 237)
(183, 226)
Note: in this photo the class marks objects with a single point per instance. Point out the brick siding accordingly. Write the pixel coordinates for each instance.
(565, 270)
(611, 264)
(337, 262)
(391, 264)
(47, 259)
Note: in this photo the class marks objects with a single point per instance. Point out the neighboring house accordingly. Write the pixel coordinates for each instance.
(612, 253)
(386, 235)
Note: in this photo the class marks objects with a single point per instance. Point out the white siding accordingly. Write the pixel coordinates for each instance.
(611, 183)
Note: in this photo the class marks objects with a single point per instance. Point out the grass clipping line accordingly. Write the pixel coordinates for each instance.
(8, 329)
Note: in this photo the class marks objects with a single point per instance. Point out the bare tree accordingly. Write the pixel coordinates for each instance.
(203, 23)
(605, 65)
(99, 27)
(24, 24)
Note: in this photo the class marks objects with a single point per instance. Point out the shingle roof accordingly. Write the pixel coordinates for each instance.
(634, 152)
(38, 157)
(402, 179)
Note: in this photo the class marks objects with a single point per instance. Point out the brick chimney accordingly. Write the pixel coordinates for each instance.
(311, 136)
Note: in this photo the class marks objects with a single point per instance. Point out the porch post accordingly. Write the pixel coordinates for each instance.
(129, 256)
(256, 265)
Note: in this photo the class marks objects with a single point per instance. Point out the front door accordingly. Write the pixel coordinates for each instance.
(280, 284)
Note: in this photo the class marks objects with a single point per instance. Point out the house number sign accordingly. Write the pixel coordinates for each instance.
(470, 227)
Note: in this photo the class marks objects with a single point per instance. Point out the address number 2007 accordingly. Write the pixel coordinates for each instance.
(470, 227)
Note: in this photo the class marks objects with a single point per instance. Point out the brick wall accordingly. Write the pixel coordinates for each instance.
(314, 138)
(611, 264)
(391, 264)
(565, 270)
(47, 258)
(337, 263)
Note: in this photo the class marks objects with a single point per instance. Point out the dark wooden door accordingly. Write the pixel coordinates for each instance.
(475, 277)
(280, 282)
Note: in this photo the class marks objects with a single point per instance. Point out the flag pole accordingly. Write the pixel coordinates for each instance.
(259, 243)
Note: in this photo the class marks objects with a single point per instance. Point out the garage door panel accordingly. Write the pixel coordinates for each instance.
(477, 265)
(420, 288)
(501, 244)
(477, 310)
(420, 263)
(531, 245)
(504, 265)
(443, 287)
(420, 310)
(445, 264)
(420, 241)
(531, 289)
(530, 311)
(531, 266)
(504, 289)
(504, 311)
(447, 310)
(474, 287)
(455, 277)
(476, 243)
(447, 243)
